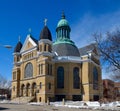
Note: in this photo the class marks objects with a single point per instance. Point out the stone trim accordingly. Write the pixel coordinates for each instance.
(45, 41)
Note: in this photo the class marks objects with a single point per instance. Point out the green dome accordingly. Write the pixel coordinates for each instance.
(62, 22)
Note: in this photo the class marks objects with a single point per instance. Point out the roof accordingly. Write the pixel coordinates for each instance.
(30, 39)
(65, 49)
(35, 40)
(86, 49)
(18, 47)
(45, 34)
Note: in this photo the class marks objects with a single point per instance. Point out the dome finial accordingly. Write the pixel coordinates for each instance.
(63, 15)
(45, 21)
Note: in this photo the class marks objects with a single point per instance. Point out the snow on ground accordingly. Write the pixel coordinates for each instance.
(112, 104)
(4, 101)
(89, 105)
(115, 106)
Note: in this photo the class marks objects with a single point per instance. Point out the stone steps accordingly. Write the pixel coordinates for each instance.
(22, 99)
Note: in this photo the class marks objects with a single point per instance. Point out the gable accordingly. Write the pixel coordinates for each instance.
(28, 44)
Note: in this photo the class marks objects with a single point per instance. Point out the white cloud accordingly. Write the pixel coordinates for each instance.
(83, 29)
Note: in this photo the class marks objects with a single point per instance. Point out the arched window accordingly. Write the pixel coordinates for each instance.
(28, 89)
(49, 48)
(40, 99)
(34, 87)
(76, 78)
(14, 75)
(22, 89)
(49, 69)
(95, 78)
(28, 70)
(40, 85)
(60, 77)
(39, 68)
(49, 86)
(45, 47)
(40, 48)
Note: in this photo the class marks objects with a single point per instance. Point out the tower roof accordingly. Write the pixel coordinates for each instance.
(18, 47)
(45, 33)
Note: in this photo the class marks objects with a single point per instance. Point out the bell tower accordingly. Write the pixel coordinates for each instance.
(45, 65)
(45, 42)
(16, 70)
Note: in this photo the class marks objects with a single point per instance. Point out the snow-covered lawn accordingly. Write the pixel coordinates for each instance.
(4, 101)
(115, 106)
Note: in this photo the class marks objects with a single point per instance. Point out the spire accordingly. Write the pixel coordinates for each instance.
(18, 45)
(45, 22)
(63, 15)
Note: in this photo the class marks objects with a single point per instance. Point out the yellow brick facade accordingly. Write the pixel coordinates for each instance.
(86, 90)
(39, 73)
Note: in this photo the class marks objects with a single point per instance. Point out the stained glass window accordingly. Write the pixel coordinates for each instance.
(28, 70)
(40, 85)
(60, 77)
(76, 78)
(49, 86)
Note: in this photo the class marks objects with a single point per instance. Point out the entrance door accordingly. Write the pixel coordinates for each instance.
(59, 97)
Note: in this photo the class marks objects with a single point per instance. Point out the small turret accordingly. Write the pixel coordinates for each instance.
(18, 46)
(17, 51)
(45, 43)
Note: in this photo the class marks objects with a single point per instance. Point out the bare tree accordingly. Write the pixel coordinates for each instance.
(109, 47)
(4, 83)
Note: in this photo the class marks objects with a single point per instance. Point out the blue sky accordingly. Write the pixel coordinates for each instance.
(84, 16)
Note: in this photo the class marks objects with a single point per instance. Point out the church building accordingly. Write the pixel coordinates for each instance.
(45, 69)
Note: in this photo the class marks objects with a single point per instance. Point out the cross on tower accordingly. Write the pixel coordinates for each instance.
(45, 21)
(30, 30)
(19, 38)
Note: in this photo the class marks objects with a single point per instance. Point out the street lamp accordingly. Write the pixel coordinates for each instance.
(6, 46)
